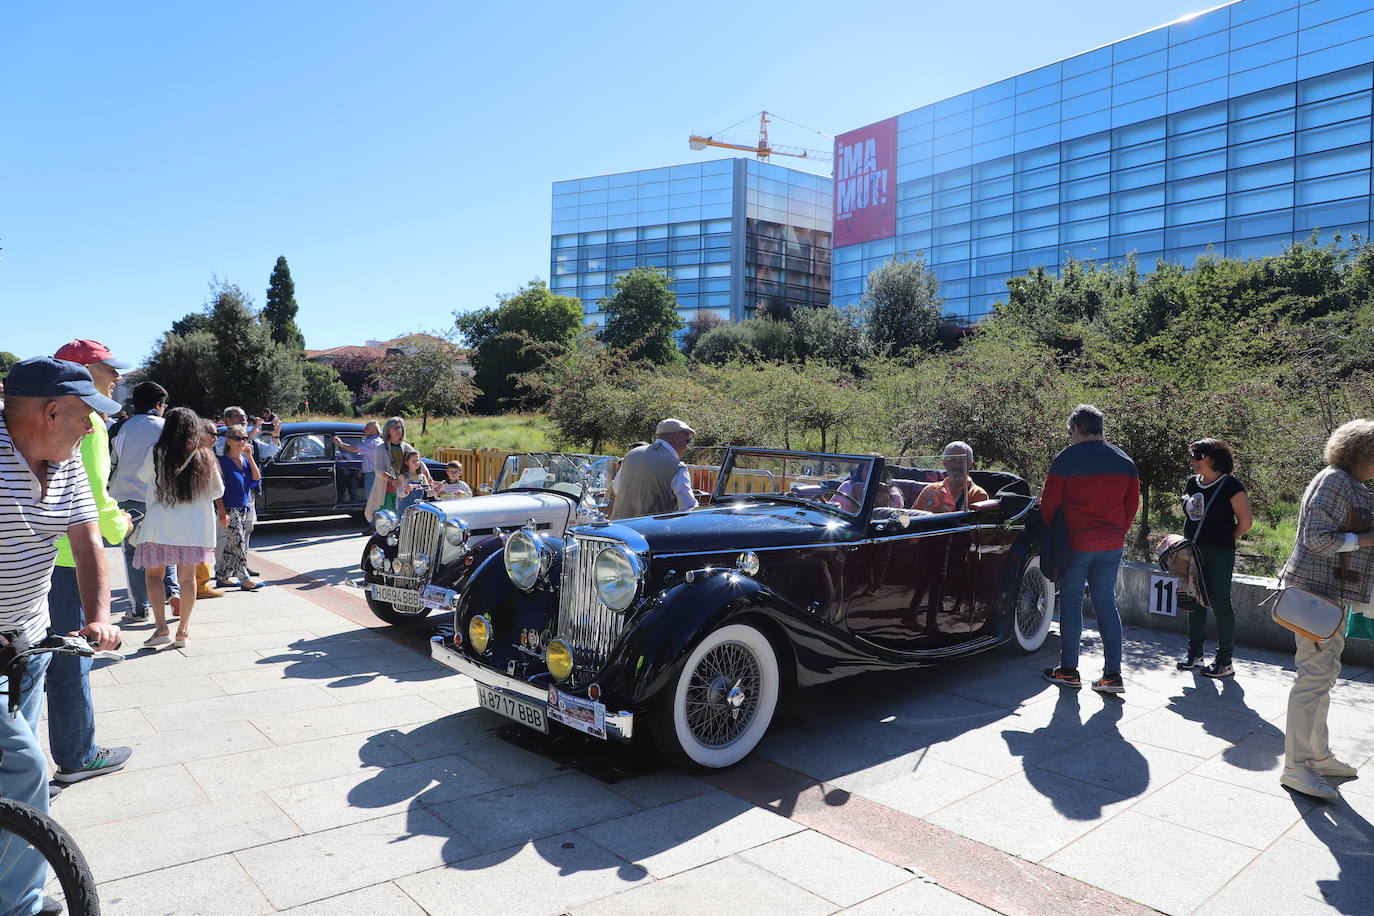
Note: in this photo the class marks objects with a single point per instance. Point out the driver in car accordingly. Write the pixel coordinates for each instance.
(851, 493)
(957, 491)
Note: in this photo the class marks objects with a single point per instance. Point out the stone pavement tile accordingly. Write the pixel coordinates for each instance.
(473, 735)
(420, 682)
(1294, 879)
(1182, 871)
(377, 900)
(321, 865)
(209, 644)
(914, 784)
(1194, 729)
(1032, 814)
(209, 887)
(830, 753)
(1255, 762)
(460, 698)
(1244, 696)
(661, 788)
(374, 793)
(171, 715)
(192, 744)
(276, 677)
(131, 792)
(827, 868)
(1109, 760)
(550, 875)
(1001, 749)
(274, 767)
(163, 666)
(118, 725)
(939, 715)
(133, 696)
(1004, 686)
(345, 718)
(1246, 816)
(683, 835)
(730, 887)
(918, 897)
(347, 644)
(102, 676)
(514, 815)
(1364, 785)
(137, 845)
(1348, 691)
(1345, 824)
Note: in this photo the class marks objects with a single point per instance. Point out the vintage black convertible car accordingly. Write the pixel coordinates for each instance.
(689, 625)
(305, 474)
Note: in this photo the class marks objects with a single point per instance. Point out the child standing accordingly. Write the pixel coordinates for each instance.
(179, 529)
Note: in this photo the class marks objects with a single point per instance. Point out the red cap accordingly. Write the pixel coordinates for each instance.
(86, 352)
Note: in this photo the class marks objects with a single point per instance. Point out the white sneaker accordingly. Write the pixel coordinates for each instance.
(1333, 767)
(1308, 781)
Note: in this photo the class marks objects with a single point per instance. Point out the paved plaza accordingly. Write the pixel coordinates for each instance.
(299, 756)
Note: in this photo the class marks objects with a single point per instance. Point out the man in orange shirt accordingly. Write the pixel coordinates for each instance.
(957, 491)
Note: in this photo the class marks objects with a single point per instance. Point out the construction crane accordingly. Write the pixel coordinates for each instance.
(764, 149)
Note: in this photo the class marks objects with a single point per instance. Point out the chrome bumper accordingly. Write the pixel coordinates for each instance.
(620, 725)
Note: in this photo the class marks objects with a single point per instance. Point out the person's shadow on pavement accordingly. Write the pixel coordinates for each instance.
(1098, 756)
(1218, 705)
(1350, 838)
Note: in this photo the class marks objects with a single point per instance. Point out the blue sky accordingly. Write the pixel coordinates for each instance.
(400, 155)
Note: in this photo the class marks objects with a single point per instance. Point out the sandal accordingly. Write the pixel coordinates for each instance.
(180, 641)
(157, 639)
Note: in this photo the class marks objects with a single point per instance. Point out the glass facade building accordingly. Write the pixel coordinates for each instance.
(1242, 128)
(732, 233)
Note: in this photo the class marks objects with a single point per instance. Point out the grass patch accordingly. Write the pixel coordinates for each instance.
(516, 432)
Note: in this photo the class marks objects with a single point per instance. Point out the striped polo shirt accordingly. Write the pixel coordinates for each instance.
(30, 524)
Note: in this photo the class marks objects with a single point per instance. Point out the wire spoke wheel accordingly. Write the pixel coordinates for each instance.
(723, 694)
(1034, 610)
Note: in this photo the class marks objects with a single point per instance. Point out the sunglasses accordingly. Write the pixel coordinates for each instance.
(238, 438)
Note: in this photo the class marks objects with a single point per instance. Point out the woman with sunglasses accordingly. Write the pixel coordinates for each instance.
(241, 478)
(1218, 514)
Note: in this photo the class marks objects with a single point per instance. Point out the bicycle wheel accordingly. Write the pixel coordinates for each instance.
(22, 825)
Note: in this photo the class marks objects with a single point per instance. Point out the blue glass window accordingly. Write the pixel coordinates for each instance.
(1086, 63)
(914, 205)
(1037, 98)
(1037, 78)
(1143, 88)
(1138, 177)
(1260, 176)
(993, 187)
(1194, 188)
(914, 241)
(1042, 257)
(1197, 164)
(1259, 103)
(1259, 201)
(1201, 71)
(918, 223)
(1339, 57)
(1333, 162)
(1138, 199)
(951, 142)
(1036, 219)
(1039, 137)
(1331, 214)
(984, 285)
(1088, 82)
(1259, 224)
(1034, 159)
(1269, 125)
(1264, 53)
(992, 168)
(1037, 178)
(1333, 136)
(1138, 155)
(1087, 103)
(1037, 238)
(993, 149)
(1086, 124)
(1135, 112)
(847, 253)
(991, 226)
(1202, 94)
(995, 111)
(1333, 33)
(880, 248)
(946, 253)
(1261, 151)
(1085, 209)
(1085, 250)
(1196, 142)
(953, 290)
(1039, 197)
(946, 235)
(1085, 187)
(1083, 230)
(1315, 12)
(1140, 220)
(994, 207)
(994, 130)
(953, 197)
(1335, 110)
(1140, 44)
(1331, 85)
(991, 246)
(1188, 52)
(917, 116)
(960, 214)
(1196, 234)
(1282, 23)
(1255, 9)
(916, 188)
(1141, 66)
(1315, 190)
(1087, 146)
(1082, 168)
(1271, 75)
(1140, 241)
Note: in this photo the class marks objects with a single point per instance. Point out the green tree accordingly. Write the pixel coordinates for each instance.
(702, 323)
(325, 392)
(641, 316)
(831, 335)
(179, 364)
(426, 380)
(581, 387)
(724, 344)
(249, 367)
(505, 341)
(192, 321)
(903, 305)
(7, 359)
(280, 311)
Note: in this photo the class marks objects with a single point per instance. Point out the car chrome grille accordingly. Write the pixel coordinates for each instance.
(584, 622)
(420, 531)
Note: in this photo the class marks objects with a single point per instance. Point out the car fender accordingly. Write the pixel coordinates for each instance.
(677, 619)
(490, 591)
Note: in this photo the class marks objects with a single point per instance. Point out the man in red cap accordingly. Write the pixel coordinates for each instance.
(71, 718)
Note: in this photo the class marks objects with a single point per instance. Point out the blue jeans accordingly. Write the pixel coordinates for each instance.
(71, 715)
(1098, 569)
(138, 586)
(368, 477)
(24, 778)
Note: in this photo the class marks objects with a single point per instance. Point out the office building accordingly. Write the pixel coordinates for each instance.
(732, 233)
(1239, 130)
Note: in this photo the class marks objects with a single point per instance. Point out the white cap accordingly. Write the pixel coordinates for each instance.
(671, 425)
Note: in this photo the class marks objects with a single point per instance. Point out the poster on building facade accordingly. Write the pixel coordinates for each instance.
(866, 184)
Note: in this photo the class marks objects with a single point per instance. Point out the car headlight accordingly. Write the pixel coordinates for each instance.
(376, 557)
(527, 558)
(421, 563)
(617, 574)
(479, 633)
(559, 658)
(384, 521)
(456, 532)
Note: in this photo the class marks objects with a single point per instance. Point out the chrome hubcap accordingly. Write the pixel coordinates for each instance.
(723, 694)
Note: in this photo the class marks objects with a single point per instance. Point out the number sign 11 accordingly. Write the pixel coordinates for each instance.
(1164, 596)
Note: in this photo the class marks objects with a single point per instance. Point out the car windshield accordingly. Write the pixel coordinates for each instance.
(549, 471)
(826, 480)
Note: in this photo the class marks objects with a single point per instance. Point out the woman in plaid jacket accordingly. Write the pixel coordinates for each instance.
(1315, 565)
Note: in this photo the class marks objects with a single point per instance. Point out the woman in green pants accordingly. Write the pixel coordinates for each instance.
(1218, 511)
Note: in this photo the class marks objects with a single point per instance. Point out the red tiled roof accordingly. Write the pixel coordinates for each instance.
(340, 352)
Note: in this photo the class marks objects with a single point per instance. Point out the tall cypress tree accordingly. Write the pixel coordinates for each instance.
(280, 311)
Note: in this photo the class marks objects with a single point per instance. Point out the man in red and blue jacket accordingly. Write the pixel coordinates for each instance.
(1097, 487)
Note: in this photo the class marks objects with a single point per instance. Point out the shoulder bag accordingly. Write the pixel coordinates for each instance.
(1307, 613)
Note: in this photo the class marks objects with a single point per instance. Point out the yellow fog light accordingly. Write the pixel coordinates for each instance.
(479, 633)
(559, 658)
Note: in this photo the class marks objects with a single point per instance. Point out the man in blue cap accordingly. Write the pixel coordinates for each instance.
(44, 494)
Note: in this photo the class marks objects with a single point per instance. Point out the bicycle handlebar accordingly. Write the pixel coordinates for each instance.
(54, 644)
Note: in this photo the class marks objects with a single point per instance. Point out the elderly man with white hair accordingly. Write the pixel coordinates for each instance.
(652, 479)
(957, 491)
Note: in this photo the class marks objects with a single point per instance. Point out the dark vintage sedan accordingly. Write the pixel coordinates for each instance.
(305, 474)
(689, 625)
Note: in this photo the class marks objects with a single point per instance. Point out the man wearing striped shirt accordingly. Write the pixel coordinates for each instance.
(44, 494)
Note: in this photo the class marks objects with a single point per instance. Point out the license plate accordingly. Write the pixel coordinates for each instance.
(586, 716)
(438, 599)
(402, 598)
(531, 715)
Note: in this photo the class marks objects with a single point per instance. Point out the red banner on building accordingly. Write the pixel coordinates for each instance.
(866, 184)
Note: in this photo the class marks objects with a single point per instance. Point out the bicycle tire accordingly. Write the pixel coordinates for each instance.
(34, 828)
